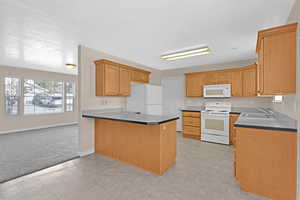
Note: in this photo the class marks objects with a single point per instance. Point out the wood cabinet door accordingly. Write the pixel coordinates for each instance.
(260, 69)
(225, 77)
(210, 78)
(249, 82)
(232, 135)
(194, 85)
(125, 78)
(279, 64)
(139, 76)
(112, 80)
(237, 84)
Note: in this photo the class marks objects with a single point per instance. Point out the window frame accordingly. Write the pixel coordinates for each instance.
(40, 80)
(66, 97)
(19, 111)
(21, 97)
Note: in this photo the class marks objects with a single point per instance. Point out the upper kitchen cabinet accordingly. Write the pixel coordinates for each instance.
(140, 76)
(249, 81)
(276, 49)
(194, 84)
(107, 78)
(210, 78)
(224, 77)
(125, 80)
(242, 80)
(237, 83)
(113, 79)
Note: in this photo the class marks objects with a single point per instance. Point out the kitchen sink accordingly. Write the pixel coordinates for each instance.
(258, 116)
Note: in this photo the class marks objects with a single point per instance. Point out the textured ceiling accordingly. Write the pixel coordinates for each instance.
(46, 33)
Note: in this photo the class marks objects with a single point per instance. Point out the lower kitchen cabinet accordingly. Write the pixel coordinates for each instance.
(266, 162)
(191, 124)
(232, 133)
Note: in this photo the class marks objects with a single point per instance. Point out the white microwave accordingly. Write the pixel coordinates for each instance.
(217, 91)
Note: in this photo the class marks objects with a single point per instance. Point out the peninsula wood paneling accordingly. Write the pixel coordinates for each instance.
(266, 162)
(151, 147)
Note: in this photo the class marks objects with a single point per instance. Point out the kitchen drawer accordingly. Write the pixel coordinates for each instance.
(190, 130)
(187, 121)
(196, 122)
(191, 114)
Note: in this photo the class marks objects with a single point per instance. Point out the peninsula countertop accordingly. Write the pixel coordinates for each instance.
(125, 116)
(273, 120)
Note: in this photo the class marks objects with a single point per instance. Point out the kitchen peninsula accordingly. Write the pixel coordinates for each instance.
(145, 141)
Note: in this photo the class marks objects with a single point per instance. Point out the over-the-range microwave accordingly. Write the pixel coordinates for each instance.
(217, 91)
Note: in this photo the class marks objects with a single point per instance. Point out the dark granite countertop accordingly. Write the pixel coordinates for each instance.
(124, 116)
(264, 119)
(271, 120)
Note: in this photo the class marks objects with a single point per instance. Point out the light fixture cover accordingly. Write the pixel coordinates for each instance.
(71, 66)
(186, 53)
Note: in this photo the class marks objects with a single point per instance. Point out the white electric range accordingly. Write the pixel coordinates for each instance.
(215, 122)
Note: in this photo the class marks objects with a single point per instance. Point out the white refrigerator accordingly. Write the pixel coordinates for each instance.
(145, 98)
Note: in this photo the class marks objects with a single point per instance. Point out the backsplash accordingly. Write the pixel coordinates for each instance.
(264, 102)
(288, 106)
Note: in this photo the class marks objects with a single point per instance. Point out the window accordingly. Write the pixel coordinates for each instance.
(42, 97)
(70, 95)
(12, 95)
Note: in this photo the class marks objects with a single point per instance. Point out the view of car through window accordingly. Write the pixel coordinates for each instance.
(43, 97)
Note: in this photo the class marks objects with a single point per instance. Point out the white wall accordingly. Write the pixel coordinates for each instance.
(255, 102)
(10, 124)
(287, 106)
(173, 97)
(88, 99)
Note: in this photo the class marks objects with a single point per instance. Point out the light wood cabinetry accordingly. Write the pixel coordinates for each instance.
(224, 77)
(113, 79)
(191, 124)
(242, 80)
(237, 83)
(276, 49)
(150, 147)
(125, 79)
(232, 133)
(249, 82)
(107, 79)
(266, 162)
(192, 85)
(140, 76)
(210, 78)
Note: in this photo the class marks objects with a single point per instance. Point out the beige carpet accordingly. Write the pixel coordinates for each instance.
(203, 171)
(28, 151)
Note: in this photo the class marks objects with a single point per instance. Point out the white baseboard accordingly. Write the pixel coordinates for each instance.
(86, 153)
(37, 128)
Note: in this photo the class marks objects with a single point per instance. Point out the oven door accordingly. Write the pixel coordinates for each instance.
(215, 123)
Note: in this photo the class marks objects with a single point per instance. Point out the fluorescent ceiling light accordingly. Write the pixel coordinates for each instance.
(186, 53)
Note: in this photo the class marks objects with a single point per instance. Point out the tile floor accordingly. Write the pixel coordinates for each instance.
(203, 172)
